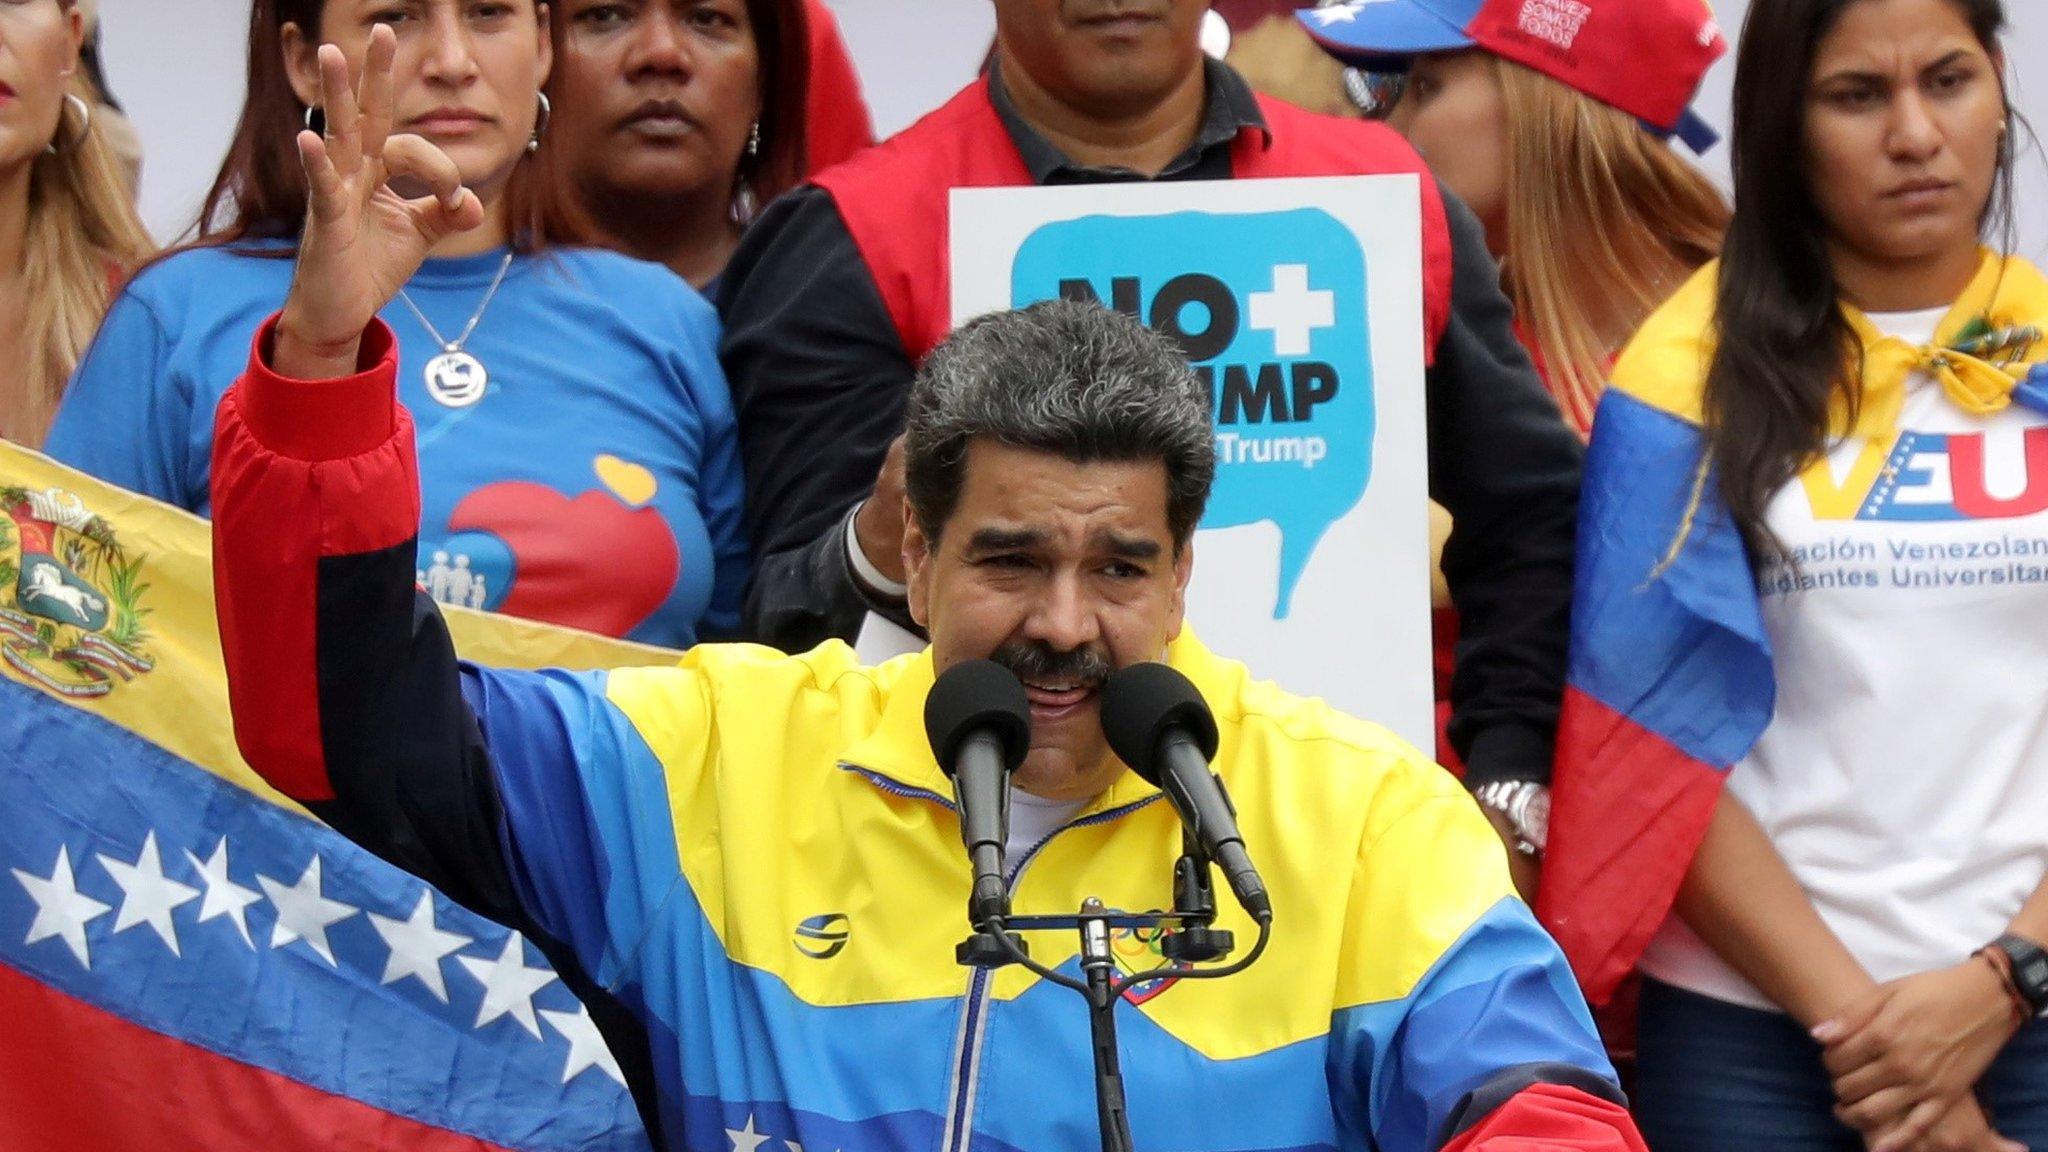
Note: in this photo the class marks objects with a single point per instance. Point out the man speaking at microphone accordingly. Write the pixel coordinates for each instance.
(758, 855)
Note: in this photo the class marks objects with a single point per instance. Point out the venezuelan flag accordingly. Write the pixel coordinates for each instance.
(1670, 680)
(187, 960)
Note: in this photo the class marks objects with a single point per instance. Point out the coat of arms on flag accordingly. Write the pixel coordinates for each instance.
(71, 613)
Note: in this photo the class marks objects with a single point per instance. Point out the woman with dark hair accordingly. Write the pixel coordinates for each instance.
(577, 447)
(1811, 555)
(677, 118)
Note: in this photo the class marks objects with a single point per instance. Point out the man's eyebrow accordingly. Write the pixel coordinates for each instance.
(1129, 547)
(1004, 539)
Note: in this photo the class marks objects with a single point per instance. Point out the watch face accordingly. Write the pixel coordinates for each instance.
(2032, 976)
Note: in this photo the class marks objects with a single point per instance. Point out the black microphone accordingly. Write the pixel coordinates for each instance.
(1159, 725)
(979, 722)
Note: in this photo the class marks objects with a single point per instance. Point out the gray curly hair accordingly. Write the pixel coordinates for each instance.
(1068, 379)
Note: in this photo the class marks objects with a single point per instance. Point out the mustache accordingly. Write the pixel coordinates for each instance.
(1030, 660)
(1079, 10)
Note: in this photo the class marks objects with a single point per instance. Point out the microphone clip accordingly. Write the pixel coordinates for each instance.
(986, 949)
(1194, 899)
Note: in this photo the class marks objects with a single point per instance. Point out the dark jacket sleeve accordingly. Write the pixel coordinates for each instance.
(343, 679)
(346, 690)
(1505, 465)
(819, 380)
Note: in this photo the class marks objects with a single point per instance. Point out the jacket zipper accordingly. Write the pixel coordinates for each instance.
(974, 1013)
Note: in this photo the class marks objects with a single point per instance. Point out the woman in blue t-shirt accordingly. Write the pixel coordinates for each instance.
(578, 454)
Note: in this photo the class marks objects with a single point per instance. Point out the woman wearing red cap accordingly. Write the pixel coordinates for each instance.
(1550, 119)
(1805, 713)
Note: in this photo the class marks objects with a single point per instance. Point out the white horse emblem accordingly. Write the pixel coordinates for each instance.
(46, 583)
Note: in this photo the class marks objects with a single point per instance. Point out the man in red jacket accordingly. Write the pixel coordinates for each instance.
(840, 289)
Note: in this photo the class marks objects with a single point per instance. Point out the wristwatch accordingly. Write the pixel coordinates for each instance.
(1526, 808)
(2029, 969)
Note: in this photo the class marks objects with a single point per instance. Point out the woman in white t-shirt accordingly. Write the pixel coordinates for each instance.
(1847, 966)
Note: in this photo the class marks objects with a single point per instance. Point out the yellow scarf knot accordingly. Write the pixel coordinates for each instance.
(1979, 386)
(1982, 349)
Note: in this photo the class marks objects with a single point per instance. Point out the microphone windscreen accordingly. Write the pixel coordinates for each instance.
(1140, 703)
(978, 696)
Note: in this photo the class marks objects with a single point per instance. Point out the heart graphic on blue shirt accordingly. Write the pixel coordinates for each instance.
(593, 562)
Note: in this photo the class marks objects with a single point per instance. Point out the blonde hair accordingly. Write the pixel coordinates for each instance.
(83, 238)
(1604, 222)
(1277, 57)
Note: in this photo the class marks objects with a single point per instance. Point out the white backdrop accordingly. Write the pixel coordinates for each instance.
(177, 67)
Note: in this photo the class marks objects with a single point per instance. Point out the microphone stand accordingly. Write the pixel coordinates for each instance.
(1111, 1114)
(995, 944)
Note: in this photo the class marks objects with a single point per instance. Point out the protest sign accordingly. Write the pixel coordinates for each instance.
(1299, 304)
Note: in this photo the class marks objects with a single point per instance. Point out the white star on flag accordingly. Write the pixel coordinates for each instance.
(746, 1139)
(417, 947)
(509, 985)
(303, 913)
(224, 897)
(147, 895)
(61, 909)
(586, 1048)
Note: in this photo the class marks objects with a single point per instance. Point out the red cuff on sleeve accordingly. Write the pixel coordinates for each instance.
(319, 420)
(1552, 1118)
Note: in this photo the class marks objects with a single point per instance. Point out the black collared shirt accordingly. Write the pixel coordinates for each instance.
(1230, 109)
(820, 378)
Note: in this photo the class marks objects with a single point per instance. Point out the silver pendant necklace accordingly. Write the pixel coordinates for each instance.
(456, 379)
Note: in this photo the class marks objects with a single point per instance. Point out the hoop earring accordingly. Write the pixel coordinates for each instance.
(754, 140)
(316, 120)
(744, 204)
(540, 123)
(72, 100)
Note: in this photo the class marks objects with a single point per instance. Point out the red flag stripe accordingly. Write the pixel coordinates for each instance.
(76, 1078)
(1624, 825)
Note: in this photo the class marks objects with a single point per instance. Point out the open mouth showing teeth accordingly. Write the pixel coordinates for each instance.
(1056, 695)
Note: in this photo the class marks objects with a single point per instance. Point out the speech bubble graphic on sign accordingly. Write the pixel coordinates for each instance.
(1299, 300)
(1270, 309)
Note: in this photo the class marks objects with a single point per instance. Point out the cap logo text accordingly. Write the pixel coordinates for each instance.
(1554, 21)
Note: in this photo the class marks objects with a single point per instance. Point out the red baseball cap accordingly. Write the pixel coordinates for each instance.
(1645, 57)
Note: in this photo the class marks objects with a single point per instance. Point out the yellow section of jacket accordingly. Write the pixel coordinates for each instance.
(803, 786)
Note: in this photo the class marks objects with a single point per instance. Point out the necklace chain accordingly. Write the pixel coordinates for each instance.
(475, 318)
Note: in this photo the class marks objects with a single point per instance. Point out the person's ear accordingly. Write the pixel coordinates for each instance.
(544, 16)
(918, 554)
(75, 29)
(1183, 571)
(301, 64)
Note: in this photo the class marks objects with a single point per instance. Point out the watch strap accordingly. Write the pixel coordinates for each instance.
(2029, 970)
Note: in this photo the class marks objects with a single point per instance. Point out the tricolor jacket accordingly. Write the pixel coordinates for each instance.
(757, 856)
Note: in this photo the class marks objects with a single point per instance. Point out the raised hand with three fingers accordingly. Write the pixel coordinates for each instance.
(363, 238)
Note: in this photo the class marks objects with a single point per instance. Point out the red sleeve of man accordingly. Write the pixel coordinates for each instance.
(836, 123)
(1552, 1118)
